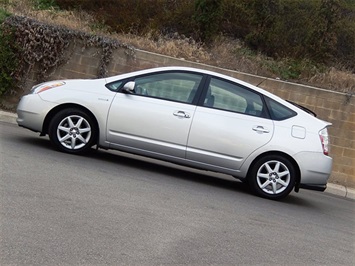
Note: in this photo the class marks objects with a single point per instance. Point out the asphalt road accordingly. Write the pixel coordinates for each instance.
(118, 209)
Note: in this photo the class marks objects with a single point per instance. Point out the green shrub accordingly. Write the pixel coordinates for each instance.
(8, 60)
(208, 15)
(45, 4)
(3, 15)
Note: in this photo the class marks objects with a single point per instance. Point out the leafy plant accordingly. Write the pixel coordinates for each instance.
(8, 61)
(291, 69)
(3, 15)
(45, 4)
(208, 14)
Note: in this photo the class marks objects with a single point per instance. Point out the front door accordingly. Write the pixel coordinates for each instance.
(154, 120)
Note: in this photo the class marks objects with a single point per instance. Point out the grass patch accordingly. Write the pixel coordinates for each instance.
(3, 15)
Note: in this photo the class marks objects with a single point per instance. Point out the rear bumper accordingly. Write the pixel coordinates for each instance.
(315, 168)
(313, 187)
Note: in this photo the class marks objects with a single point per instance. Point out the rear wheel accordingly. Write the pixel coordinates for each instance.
(272, 177)
(72, 130)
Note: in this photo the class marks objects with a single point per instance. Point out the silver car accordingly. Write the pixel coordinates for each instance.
(187, 116)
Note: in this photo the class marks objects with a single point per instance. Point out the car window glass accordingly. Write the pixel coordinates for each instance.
(175, 86)
(114, 86)
(279, 111)
(233, 97)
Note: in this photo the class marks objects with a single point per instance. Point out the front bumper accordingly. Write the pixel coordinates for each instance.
(31, 112)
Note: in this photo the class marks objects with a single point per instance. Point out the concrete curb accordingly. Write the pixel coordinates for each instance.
(8, 117)
(334, 189)
(340, 190)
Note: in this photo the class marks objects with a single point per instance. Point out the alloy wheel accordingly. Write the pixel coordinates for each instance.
(74, 132)
(273, 177)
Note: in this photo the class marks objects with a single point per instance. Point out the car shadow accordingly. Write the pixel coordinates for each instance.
(169, 169)
(189, 174)
(295, 200)
(149, 165)
(41, 142)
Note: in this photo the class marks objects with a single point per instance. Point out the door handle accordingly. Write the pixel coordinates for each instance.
(261, 129)
(181, 114)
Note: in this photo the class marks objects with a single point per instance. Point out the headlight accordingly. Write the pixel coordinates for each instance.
(46, 86)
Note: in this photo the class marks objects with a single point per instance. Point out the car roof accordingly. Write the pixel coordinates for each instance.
(188, 69)
(178, 68)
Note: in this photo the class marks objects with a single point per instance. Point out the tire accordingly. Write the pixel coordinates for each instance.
(272, 177)
(73, 131)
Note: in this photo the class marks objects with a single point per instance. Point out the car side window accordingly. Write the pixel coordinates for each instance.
(114, 86)
(174, 86)
(278, 111)
(233, 97)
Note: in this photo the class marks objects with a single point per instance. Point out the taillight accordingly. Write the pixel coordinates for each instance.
(324, 138)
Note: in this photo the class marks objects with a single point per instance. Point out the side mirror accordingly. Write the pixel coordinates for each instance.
(129, 87)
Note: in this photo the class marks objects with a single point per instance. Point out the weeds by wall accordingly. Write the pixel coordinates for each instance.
(45, 46)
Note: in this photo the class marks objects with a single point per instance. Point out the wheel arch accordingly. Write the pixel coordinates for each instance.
(288, 157)
(55, 110)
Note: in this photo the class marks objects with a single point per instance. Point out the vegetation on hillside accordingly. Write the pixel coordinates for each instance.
(310, 42)
(322, 31)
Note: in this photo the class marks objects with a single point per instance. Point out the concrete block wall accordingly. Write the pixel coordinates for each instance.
(82, 63)
(337, 108)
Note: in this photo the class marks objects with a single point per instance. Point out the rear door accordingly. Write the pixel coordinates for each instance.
(229, 126)
(155, 120)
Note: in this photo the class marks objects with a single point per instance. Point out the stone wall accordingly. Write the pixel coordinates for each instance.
(337, 108)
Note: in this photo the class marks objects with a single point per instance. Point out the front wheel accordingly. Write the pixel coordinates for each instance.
(72, 130)
(272, 177)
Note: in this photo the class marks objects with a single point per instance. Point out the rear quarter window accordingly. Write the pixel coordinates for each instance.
(279, 111)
